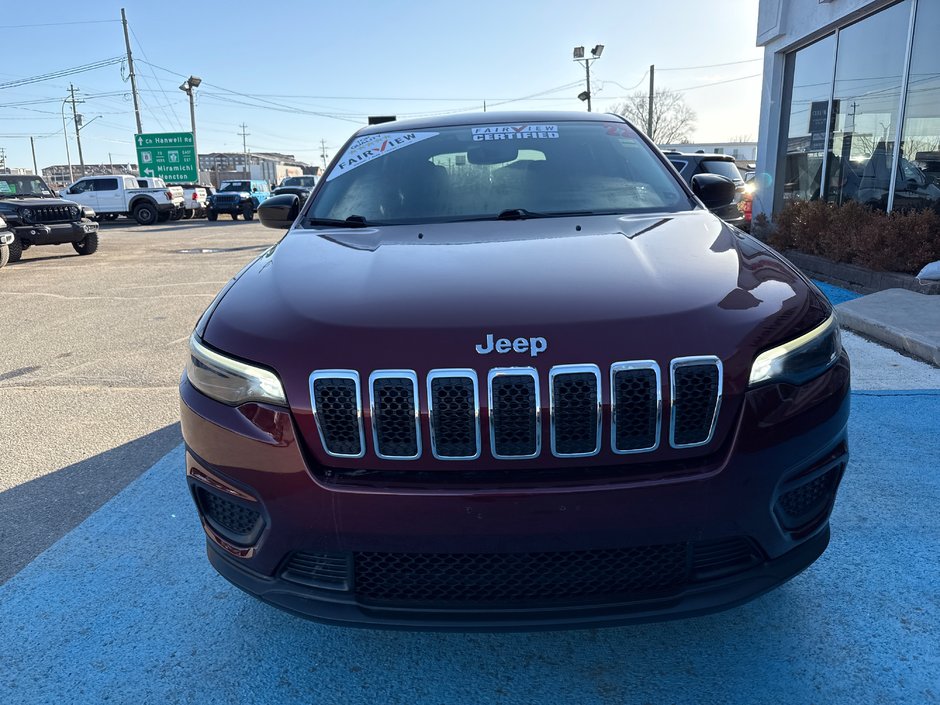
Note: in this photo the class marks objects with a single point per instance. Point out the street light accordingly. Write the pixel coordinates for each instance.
(578, 55)
(187, 88)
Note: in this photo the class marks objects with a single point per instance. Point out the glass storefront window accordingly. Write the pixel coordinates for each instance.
(810, 80)
(919, 166)
(866, 99)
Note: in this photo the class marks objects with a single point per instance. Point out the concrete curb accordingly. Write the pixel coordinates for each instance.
(900, 319)
(857, 278)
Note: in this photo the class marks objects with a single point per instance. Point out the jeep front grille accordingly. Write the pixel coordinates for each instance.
(52, 214)
(514, 406)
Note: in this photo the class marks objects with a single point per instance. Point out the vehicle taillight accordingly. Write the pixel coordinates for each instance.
(195, 196)
(169, 195)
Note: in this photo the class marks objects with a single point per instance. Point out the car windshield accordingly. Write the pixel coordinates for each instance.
(23, 186)
(488, 171)
(236, 186)
(302, 181)
(727, 169)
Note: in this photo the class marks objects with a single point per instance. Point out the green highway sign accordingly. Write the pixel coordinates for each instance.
(167, 155)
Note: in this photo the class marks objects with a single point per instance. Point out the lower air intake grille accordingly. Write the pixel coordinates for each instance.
(635, 397)
(453, 412)
(696, 392)
(394, 417)
(336, 401)
(514, 414)
(481, 579)
(235, 521)
(328, 571)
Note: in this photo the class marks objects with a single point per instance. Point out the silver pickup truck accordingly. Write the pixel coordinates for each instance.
(121, 194)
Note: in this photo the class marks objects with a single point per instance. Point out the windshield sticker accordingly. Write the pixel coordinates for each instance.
(514, 132)
(5, 187)
(369, 147)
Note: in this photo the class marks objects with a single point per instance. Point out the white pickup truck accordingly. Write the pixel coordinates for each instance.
(194, 200)
(120, 194)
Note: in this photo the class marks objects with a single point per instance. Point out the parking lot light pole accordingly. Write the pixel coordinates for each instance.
(579, 56)
(187, 88)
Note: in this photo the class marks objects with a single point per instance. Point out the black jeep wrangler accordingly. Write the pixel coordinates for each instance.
(36, 216)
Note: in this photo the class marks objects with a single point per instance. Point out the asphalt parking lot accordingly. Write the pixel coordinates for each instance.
(107, 596)
(90, 358)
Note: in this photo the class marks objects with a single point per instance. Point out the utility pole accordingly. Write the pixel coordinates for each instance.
(323, 152)
(587, 61)
(187, 87)
(65, 134)
(130, 70)
(649, 117)
(32, 146)
(244, 133)
(78, 125)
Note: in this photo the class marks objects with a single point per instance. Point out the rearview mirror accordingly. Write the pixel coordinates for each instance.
(279, 211)
(488, 153)
(713, 190)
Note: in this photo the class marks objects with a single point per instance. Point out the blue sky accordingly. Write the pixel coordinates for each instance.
(307, 71)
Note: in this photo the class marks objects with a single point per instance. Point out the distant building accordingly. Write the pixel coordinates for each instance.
(741, 151)
(15, 170)
(270, 166)
(59, 175)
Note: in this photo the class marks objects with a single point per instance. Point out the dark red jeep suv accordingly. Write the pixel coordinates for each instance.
(506, 371)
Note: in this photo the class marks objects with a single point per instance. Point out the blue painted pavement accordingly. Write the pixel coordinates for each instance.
(836, 294)
(125, 608)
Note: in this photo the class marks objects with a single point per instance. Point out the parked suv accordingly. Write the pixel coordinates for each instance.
(238, 198)
(37, 217)
(688, 165)
(6, 237)
(505, 370)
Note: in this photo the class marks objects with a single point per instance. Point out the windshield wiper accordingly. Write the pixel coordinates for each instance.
(523, 213)
(353, 221)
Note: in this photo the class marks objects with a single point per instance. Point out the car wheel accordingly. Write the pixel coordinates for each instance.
(176, 214)
(248, 212)
(4, 255)
(16, 250)
(234, 215)
(88, 246)
(212, 215)
(187, 214)
(145, 214)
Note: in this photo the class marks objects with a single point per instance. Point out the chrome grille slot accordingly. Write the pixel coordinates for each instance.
(454, 414)
(337, 410)
(575, 401)
(515, 430)
(695, 392)
(394, 405)
(636, 406)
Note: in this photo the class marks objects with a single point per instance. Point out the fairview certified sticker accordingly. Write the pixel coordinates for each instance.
(365, 149)
(514, 132)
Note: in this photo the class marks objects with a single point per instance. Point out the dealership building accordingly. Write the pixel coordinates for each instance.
(850, 108)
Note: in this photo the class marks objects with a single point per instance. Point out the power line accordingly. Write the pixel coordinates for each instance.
(710, 66)
(58, 24)
(147, 63)
(717, 83)
(62, 72)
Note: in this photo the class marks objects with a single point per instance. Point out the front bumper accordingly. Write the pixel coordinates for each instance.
(56, 233)
(738, 529)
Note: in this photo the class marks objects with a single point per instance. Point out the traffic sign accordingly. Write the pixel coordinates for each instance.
(170, 156)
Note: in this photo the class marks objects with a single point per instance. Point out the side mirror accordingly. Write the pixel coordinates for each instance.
(70, 191)
(713, 190)
(279, 211)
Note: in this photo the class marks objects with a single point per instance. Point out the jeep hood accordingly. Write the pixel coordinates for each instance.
(598, 289)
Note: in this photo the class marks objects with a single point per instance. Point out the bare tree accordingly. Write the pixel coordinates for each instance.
(673, 120)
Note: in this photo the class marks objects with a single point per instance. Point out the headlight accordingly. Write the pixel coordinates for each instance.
(801, 359)
(75, 212)
(230, 381)
(26, 214)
